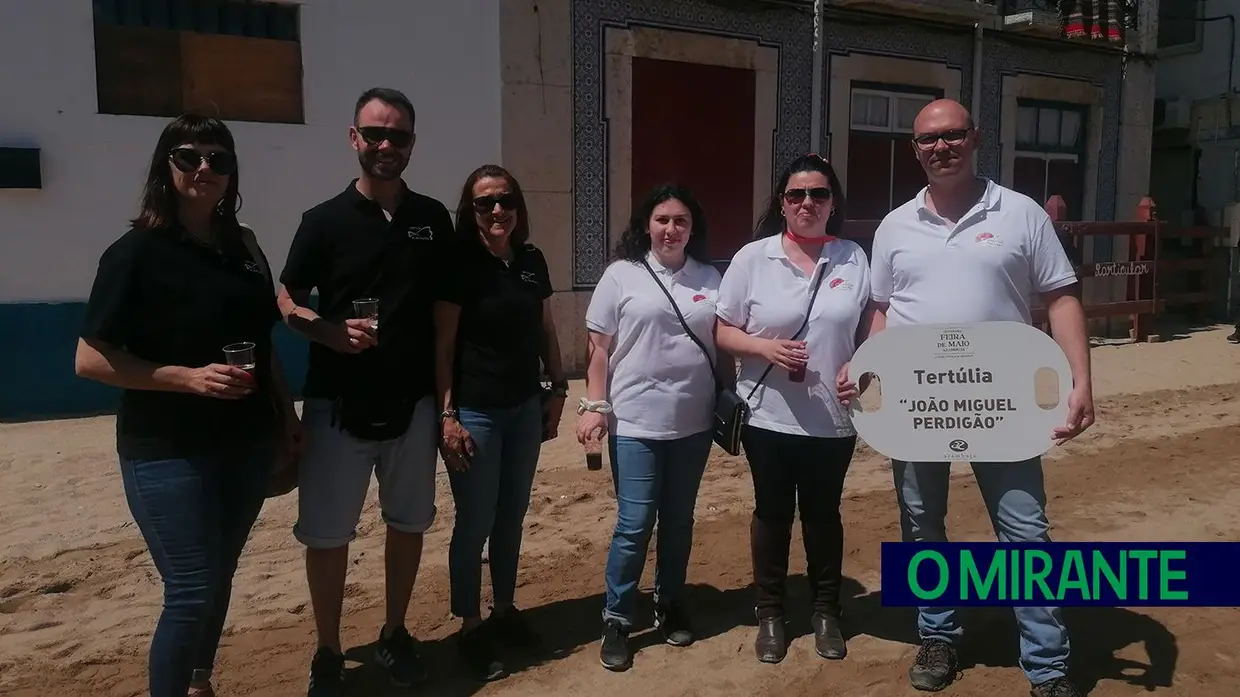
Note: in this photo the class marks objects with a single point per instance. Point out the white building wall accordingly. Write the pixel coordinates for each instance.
(444, 54)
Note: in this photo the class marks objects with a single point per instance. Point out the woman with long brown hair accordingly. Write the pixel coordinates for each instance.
(494, 342)
(180, 318)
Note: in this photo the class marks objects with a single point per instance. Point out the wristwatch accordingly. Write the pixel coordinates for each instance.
(453, 414)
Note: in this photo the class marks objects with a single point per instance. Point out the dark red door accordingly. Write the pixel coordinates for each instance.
(694, 124)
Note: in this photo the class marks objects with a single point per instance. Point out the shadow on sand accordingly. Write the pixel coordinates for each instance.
(991, 638)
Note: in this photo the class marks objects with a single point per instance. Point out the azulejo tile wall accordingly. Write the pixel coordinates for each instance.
(1104, 69)
(954, 49)
(789, 30)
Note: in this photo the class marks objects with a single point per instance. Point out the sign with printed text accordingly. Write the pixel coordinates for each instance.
(961, 392)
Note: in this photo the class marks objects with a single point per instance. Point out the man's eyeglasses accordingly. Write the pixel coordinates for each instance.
(188, 160)
(956, 136)
(486, 204)
(375, 135)
(819, 194)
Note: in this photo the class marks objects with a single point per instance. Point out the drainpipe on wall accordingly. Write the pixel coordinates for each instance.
(815, 125)
(975, 99)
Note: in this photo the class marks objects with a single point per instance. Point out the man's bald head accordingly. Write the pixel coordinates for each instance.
(944, 139)
(943, 115)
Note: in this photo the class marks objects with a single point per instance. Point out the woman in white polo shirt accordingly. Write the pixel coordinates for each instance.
(655, 381)
(789, 306)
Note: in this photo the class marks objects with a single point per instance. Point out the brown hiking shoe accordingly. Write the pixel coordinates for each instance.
(935, 666)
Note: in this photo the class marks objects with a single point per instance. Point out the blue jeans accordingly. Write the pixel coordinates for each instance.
(195, 514)
(1015, 496)
(653, 479)
(491, 498)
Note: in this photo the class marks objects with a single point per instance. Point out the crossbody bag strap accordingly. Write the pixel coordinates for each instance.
(805, 323)
(681, 317)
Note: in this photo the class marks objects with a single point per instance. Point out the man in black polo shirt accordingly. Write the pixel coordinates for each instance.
(369, 389)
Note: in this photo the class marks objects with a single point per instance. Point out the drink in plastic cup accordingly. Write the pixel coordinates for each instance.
(241, 355)
(797, 375)
(594, 452)
(367, 308)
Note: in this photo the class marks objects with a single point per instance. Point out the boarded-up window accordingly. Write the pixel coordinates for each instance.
(235, 60)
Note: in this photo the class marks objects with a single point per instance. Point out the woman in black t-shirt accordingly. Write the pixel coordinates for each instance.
(494, 341)
(197, 432)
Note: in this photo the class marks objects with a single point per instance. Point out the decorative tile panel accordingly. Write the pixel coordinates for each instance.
(1001, 58)
(954, 49)
(788, 30)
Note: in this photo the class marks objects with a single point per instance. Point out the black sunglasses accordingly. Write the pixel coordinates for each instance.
(188, 160)
(375, 135)
(486, 204)
(955, 136)
(818, 193)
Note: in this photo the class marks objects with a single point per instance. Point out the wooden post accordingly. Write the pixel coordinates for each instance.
(1140, 247)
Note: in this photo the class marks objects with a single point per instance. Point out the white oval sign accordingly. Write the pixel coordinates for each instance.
(961, 392)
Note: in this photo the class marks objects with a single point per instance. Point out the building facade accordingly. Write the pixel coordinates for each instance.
(588, 102)
(662, 89)
(79, 124)
(1196, 127)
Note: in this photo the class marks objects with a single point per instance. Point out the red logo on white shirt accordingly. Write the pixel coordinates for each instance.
(839, 283)
(699, 298)
(988, 239)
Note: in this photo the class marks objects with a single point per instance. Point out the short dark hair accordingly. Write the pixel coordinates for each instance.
(159, 200)
(387, 95)
(635, 240)
(772, 221)
(467, 226)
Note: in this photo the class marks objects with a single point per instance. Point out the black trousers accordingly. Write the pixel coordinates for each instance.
(789, 470)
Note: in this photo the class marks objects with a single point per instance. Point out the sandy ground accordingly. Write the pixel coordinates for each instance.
(79, 596)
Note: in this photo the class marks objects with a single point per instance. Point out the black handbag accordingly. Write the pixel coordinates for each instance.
(731, 410)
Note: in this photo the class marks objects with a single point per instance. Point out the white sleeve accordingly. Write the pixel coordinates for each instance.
(880, 276)
(603, 313)
(866, 289)
(1050, 266)
(733, 303)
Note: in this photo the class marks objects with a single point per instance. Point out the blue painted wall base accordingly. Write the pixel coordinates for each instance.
(36, 363)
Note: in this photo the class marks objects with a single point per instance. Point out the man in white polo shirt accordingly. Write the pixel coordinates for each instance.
(969, 250)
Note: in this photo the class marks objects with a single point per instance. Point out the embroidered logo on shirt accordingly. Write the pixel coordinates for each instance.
(838, 283)
(699, 298)
(528, 277)
(422, 232)
(987, 239)
(252, 267)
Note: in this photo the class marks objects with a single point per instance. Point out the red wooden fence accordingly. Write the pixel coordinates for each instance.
(1145, 271)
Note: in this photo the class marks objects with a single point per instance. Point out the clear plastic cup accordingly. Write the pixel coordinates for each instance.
(367, 308)
(241, 355)
(594, 452)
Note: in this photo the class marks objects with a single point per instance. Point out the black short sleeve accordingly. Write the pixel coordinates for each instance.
(306, 265)
(538, 264)
(113, 304)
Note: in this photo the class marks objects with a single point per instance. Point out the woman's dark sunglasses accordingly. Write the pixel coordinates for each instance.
(486, 204)
(375, 135)
(818, 193)
(188, 160)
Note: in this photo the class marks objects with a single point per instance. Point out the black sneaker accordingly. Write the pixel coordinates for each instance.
(935, 666)
(615, 653)
(398, 655)
(513, 631)
(674, 625)
(477, 648)
(326, 674)
(1055, 687)
(1235, 336)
